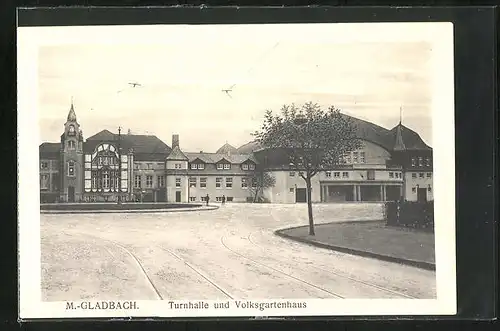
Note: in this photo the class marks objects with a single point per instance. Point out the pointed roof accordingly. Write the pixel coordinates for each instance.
(71, 114)
(177, 155)
(399, 145)
(227, 149)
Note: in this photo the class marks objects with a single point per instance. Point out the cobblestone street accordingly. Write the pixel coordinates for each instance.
(231, 252)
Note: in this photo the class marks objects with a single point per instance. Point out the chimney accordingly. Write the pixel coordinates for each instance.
(175, 141)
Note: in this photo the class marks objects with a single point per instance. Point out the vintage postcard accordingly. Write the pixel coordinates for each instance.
(236, 170)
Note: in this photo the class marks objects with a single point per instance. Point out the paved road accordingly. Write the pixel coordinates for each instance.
(230, 252)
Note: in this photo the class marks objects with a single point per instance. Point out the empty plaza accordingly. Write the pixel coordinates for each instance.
(228, 253)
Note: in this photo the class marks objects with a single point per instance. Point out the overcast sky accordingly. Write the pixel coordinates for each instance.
(182, 84)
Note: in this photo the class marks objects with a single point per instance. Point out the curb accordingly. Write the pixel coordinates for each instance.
(412, 263)
(128, 211)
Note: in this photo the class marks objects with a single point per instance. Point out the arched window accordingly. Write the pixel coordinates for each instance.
(105, 169)
(71, 145)
(71, 130)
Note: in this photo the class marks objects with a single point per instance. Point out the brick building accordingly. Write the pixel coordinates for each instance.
(390, 164)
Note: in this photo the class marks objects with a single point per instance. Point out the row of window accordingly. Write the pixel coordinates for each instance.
(354, 157)
(421, 175)
(204, 198)
(395, 174)
(420, 161)
(160, 181)
(414, 189)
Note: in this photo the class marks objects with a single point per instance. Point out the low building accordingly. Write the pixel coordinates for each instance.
(389, 165)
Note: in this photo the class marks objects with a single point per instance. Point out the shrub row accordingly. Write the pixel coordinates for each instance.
(416, 215)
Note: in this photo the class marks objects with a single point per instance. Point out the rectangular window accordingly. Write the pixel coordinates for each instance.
(429, 188)
(361, 157)
(201, 166)
(414, 175)
(149, 181)
(227, 166)
(244, 183)
(44, 182)
(251, 167)
(345, 174)
(137, 181)
(229, 182)
(291, 189)
(204, 198)
(292, 173)
(218, 199)
(220, 166)
(429, 174)
(328, 174)
(371, 174)
(421, 175)
(336, 174)
(161, 181)
(420, 161)
(177, 182)
(178, 166)
(203, 182)
(244, 166)
(391, 175)
(413, 161)
(229, 199)
(414, 189)
(428, 161)
(354, 157)
(44, 165)
(192, 181)
(192, 199)
(105, 181)
(218, 182)
(194, 166)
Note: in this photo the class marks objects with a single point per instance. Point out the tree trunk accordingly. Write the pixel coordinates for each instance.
(309, 206)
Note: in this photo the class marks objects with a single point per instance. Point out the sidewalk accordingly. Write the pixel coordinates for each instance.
(371, 239)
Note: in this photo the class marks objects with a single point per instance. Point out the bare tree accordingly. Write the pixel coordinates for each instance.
(313, 139)
(260, 181)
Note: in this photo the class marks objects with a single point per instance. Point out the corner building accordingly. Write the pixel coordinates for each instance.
(389, 165)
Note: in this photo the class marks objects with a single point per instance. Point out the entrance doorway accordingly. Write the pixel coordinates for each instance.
(178, 196)
(300, 195)
(71, 194)
(422, 194)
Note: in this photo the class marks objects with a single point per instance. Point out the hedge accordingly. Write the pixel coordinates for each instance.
(416, 215)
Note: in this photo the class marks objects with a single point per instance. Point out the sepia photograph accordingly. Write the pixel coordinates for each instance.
(236, 170)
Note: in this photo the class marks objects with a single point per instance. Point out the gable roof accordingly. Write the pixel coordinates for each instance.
(146, 147)
(216, 157)
(227, 149)
(177, 155)
(49, 150)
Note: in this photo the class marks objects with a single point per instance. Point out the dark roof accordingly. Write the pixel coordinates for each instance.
(49, 150)
(249, 147)
(410, 139)
(369, 132)
(146, 147)
(216, 157)
(227, 149)
(177, 155)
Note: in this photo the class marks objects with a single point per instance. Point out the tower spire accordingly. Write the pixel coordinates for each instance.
(71, 114)
(400, 114)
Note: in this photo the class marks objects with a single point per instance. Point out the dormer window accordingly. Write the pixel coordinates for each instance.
(227, 166)
(251, 166)
(223, 165)
(244, 166)
(220, 166)
(428, 161)
(420, 161)
(199, 166)
(413, 161)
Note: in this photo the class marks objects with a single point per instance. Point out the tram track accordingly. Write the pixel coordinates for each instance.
(381, 288)
(222, 240)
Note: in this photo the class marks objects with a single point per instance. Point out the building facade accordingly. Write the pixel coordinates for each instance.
(389, 165)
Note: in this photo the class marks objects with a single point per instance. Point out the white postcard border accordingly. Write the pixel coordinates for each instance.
(439, 34)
